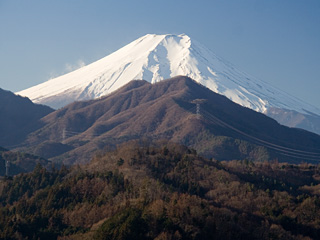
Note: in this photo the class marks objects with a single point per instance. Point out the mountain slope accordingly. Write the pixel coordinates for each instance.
(291, 118)
(165, 110)
(157, 57)
(18, 117)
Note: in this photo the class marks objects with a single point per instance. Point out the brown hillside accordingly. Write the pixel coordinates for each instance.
(224, 131)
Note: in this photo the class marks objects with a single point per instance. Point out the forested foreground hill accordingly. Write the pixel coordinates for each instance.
(162, 191)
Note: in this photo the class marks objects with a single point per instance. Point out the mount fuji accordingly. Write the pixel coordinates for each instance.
(157, 57)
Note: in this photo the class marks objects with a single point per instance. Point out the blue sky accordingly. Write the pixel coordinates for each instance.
(276, 41)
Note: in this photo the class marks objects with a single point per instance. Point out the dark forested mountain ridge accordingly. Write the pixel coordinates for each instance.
(18, 117)
(179, 110)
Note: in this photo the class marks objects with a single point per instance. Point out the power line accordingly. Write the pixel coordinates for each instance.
(295, 153)
(67, 134)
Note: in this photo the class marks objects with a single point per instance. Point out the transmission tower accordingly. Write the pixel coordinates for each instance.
(198, 102)
(7, 168)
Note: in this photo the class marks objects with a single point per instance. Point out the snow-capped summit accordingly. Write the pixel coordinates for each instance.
(157, 57)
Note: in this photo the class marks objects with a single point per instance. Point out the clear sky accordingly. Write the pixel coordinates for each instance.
(277, 41)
